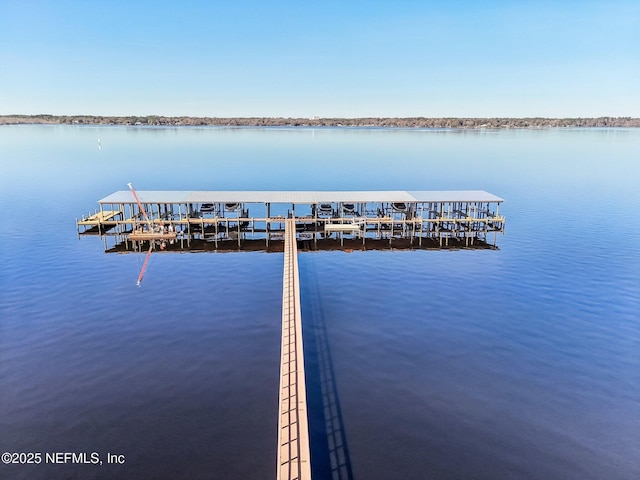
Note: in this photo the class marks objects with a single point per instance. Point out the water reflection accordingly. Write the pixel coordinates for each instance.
(521, 361)
(329, 448)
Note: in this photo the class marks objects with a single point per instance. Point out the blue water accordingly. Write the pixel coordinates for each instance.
(518, 363)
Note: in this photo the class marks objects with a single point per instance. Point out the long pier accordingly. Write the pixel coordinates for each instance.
(294, 460)
(177, 220)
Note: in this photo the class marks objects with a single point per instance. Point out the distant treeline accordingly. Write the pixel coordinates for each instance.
(411, 122)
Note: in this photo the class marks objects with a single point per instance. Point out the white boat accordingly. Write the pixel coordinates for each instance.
(325, 209)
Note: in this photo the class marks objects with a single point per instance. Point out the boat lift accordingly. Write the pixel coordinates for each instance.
(153, 234)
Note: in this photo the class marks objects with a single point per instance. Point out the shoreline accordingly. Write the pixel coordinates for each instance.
(363, 122)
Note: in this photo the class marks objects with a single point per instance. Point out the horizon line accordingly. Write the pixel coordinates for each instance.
(315, 117)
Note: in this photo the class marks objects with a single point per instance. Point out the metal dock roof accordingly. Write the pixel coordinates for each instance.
(299, 197)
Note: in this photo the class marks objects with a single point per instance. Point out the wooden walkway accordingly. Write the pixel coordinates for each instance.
(293, 430)
(99, 217)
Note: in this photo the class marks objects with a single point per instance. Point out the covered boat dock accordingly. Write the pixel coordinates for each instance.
(233, 219)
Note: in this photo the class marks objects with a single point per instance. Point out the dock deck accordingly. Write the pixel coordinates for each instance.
(294, 461)
(100, 217)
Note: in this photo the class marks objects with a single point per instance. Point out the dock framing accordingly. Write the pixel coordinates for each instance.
(224, 220)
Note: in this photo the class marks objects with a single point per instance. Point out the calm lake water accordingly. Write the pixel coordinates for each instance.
(472, 364)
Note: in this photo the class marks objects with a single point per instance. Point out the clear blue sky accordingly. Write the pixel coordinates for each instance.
(327, 58)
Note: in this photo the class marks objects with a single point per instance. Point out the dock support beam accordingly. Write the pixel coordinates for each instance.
(294, 459)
